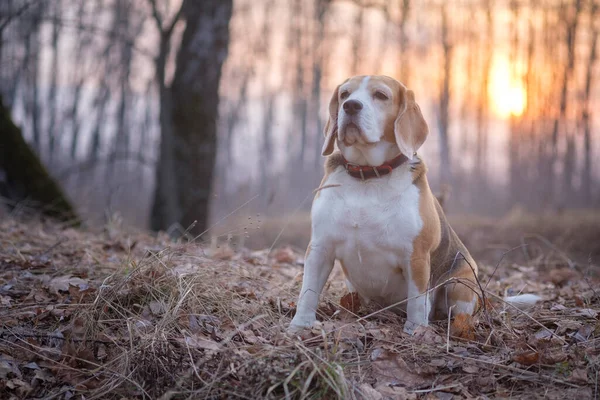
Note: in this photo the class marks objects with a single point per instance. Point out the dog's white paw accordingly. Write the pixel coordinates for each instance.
(299, 324)
(411, 327)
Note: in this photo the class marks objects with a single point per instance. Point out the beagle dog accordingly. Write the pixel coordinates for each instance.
(375, 213)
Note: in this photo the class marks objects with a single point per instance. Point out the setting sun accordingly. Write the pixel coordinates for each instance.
(507, 93)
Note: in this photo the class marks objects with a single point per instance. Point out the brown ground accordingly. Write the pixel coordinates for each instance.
(118, 314)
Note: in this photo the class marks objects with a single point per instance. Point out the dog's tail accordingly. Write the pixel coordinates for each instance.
(523, 301)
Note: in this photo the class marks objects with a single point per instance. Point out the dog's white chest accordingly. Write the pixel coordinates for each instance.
(371, 227)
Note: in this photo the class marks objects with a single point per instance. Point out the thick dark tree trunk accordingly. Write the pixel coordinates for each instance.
(24, 178)
(189, 124)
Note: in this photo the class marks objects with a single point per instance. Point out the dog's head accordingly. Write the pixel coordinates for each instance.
(367, 110)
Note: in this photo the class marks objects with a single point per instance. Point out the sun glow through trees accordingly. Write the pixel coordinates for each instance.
(506, 90)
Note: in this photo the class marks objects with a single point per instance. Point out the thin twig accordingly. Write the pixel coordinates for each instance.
(498, 264)
(596, 387)
(448, 330)
(436, 389)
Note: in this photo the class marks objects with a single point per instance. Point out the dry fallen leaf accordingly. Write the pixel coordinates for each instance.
(438, 362)
(43, 376)
(395, 392)
(390, 368)
(5, 301)
(485, 381)
(463, 327)
(250, 337)
(8, 366)
(62, 283)
(284, 255)
(21, 387)
(471, 369)
(583, 333)
(201, 343)
(428, 335)
(579, 375)
(553, 357)
(585, 312)
(527, 358)
(562, 276)
(368, 393)
(350, 302)
(157, 307)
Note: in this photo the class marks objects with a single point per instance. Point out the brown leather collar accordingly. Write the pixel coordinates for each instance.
(367, 171)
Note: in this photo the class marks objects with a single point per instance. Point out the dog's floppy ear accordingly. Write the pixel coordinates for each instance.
(410, 128)
(331, 126)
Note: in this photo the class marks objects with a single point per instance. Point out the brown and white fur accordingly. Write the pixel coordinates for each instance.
(389, 233)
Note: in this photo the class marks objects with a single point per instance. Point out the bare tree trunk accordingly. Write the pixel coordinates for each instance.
(571, 20)
(300, 106)
(515, 139)
(444, 101)
(483, 103)
(569, 161)
(587, 182)
(32, 50)
(404, 56)
(122, 139)
(104, 92)
(269, 103)
(545, 166)
(529, 119)
(321, 8)
(102, 100)
(165, 207)
(357, 40)
(267, 149)
(234, 114)
(188, 147)
(52, 98)
(82, 45)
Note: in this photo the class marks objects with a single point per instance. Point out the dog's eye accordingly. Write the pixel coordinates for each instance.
(344, 94)
(381, 96)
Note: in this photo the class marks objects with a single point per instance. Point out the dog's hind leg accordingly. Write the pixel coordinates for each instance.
(462, 293)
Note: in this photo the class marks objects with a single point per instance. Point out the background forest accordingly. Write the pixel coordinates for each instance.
(102, 88)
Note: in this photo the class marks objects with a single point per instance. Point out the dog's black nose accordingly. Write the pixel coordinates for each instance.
(352, 107)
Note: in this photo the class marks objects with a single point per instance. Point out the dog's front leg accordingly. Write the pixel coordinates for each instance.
(317, 267)
(418, 304)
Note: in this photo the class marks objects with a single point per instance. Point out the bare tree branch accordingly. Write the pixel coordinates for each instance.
(159, 20)
(156, 15)
(16, 15)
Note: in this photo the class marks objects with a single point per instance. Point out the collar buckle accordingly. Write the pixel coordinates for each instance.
(376, 172)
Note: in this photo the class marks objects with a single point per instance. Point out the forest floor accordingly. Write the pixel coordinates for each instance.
(116, 313)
